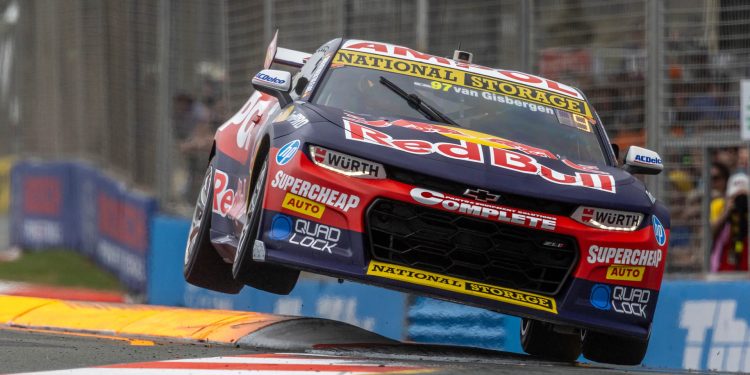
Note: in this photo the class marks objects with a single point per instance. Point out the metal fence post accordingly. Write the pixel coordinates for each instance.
(422, 31)
(654, 79)
(527, 36)
(163, 107)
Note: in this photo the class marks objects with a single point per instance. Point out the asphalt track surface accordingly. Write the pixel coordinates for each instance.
(24, 350)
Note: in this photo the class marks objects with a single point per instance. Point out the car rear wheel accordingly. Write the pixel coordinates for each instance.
(268, 277)
(203, 266)
(618, 350)
(542, 340)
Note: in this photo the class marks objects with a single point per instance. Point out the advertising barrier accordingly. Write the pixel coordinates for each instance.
(702, 325)
(72, 205)
(6, 163)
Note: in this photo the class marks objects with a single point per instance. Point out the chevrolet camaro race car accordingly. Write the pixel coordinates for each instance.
(388, 166)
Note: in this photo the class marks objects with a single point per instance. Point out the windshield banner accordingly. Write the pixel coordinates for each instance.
(462, 78)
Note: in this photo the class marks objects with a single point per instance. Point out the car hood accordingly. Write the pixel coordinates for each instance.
(627, 193)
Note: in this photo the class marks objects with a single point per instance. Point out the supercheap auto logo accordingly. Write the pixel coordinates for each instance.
(462, 78)
(454, 284)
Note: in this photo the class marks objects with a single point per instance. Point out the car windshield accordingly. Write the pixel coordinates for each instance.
(486, 110)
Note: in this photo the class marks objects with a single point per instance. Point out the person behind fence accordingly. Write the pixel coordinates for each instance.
(190, 118)
(729, 220)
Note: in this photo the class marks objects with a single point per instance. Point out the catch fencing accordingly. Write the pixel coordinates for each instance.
(137, 86)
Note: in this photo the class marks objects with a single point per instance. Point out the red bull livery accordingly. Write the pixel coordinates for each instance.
(494, 188)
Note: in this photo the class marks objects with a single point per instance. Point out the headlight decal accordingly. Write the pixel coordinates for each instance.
(345, 164)
(602, 218)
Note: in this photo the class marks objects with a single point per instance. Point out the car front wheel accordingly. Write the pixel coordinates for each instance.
(202, 265)
(268, 277)
(617, 350)
(543, 340)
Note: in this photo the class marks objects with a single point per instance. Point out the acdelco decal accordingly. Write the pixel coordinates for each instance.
(452, 76)
(454, 284)
(626, 273)
(315, 192)
(472, 152)
(621, 256)
(489, 212)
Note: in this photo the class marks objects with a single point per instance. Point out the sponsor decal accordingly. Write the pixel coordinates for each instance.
(437, 85)
(622, 299)
(302, 205)
(295, 118)
(659, 234)
(497, 86)
(314, 192)
(647, 160)
(281, 227)
(306, 233)
(298, 120)
(626, 273)
(600, 297)
(287, 152)
(485, 211)
(456, 133)
(472, 152)
(223, 198)
(454, 284)
(610, 219)
(716, 335)
(267, 78)
(319, 68)
(234, 136)
(621, 256)
(481, 195)
(343, 163)
(407, 53)
(315, 236)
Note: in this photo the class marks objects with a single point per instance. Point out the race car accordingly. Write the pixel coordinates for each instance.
(494, 188)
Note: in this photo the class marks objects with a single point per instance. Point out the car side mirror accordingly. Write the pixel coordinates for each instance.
(616, 149)
(276, 83)
(640, 160)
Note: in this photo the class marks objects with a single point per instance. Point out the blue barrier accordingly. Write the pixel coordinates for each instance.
(72, 205)
(702, 325)
(441, 322)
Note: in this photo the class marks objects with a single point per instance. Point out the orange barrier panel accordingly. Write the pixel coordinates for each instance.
(133, 320)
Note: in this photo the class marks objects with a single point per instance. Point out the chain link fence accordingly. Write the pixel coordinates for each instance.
(138, 86)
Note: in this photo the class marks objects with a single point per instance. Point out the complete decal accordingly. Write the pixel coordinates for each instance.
(484, 211)
(454, 284)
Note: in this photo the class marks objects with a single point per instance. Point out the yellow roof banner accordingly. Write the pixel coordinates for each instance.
(462, 78)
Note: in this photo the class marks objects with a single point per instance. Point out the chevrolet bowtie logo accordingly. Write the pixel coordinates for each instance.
(481, 195)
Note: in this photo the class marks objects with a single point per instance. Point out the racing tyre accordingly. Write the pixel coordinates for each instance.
(540, 339)
(617, 350)
(203, 266)
(268, 277)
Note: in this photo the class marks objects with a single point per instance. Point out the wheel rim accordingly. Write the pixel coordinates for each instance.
(252, 211)
(198, 214)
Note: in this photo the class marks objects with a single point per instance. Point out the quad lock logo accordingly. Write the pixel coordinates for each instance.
(305, 233)
(620, 299)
